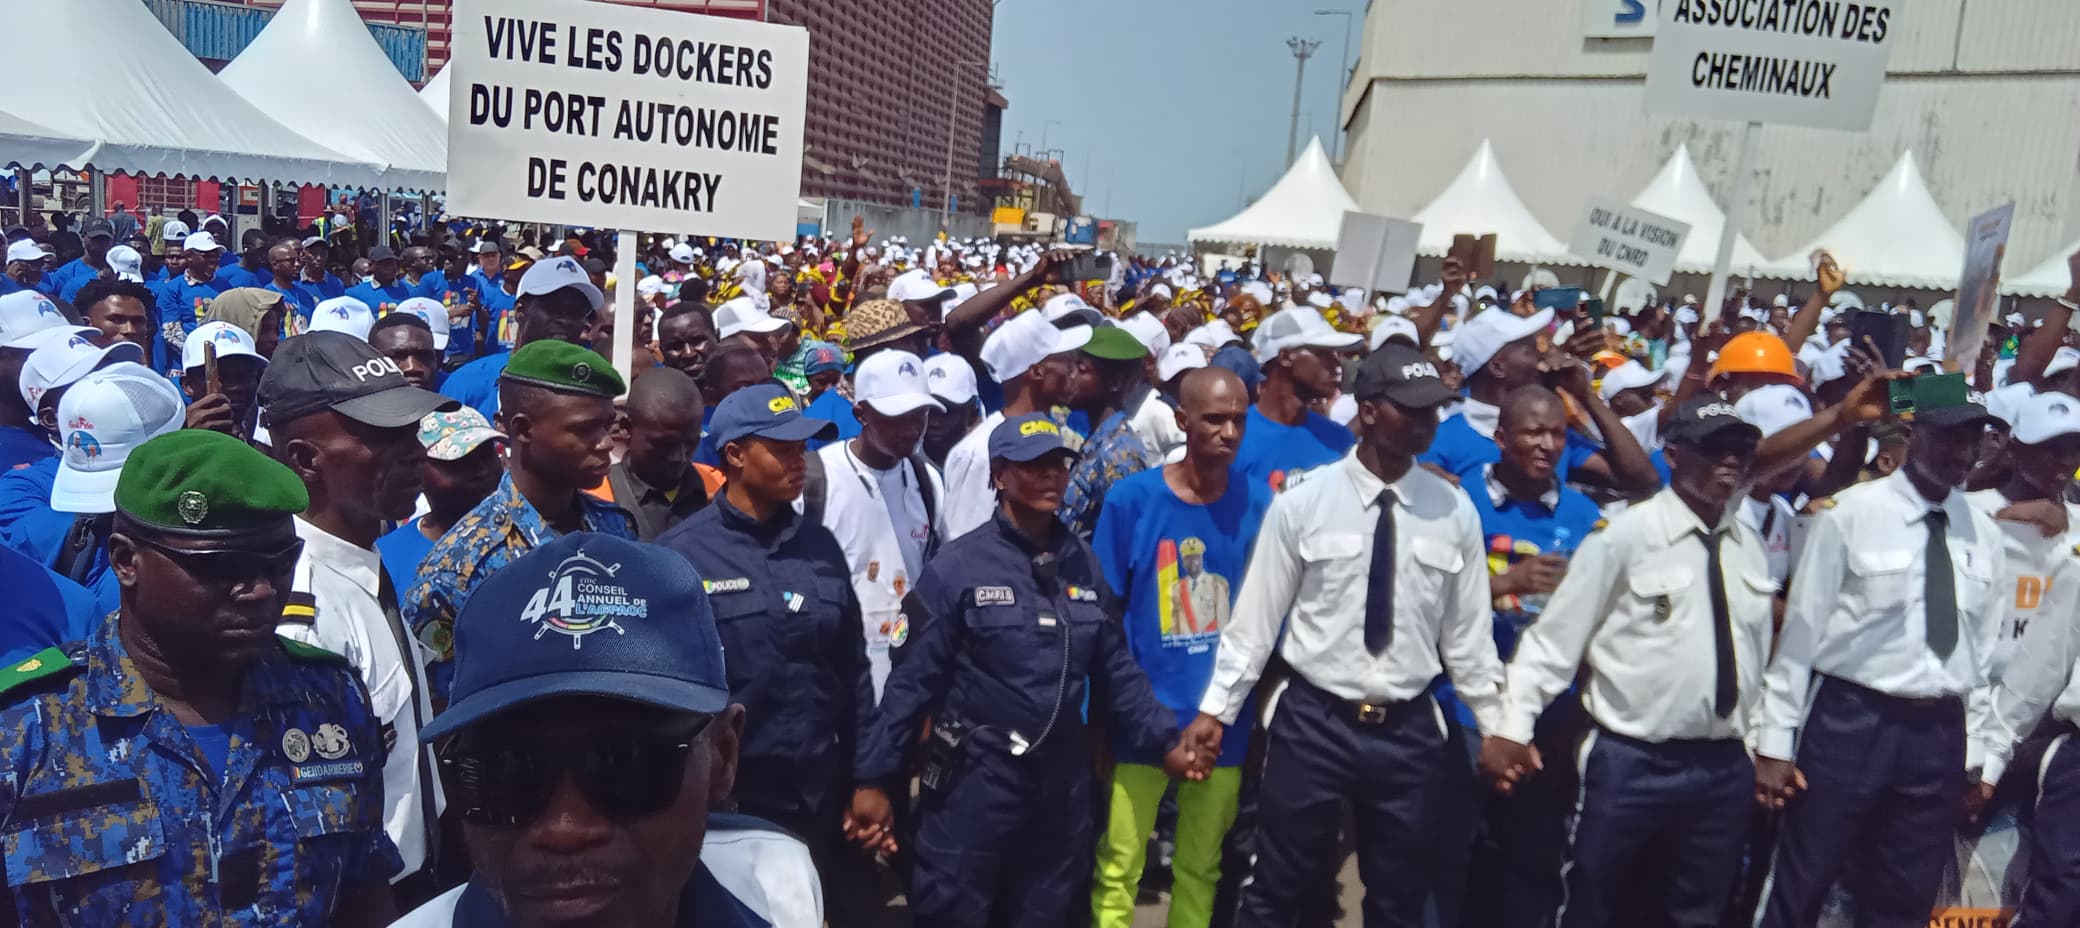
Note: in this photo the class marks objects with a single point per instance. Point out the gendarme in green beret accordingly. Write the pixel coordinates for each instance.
(566, 368)
(198, 481)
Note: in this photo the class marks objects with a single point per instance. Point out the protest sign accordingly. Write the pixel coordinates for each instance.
(1816, 63)
(599, 114)
(1375, 253)
(1629, 240)
(1985, 243)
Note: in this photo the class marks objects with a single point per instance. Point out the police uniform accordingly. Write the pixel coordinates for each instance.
(505, 525)
(1671, 617)
(111, 812)
(999, 643)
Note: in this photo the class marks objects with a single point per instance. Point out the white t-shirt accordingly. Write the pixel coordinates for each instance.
(2026, 590)
(879, 518)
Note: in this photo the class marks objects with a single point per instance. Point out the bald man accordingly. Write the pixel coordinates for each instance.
(1173, 543)
(657, 480)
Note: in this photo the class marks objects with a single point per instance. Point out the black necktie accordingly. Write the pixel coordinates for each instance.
(1379, 588)
(1939, 590)
(1722, 628)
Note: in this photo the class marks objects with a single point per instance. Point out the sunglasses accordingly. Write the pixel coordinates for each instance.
(226, 567)
(624, 778)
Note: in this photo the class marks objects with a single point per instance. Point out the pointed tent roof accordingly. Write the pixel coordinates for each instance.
(33, 146)
(435, 94)
(362, 106)
(1678, 193)
(1896, 237)
(149, 105)
(1303, 210)
(2050, 278)
(1479, 201)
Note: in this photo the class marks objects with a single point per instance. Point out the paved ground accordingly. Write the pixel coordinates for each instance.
(1152, 915)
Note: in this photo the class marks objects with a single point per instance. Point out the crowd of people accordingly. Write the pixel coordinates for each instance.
(362, 589)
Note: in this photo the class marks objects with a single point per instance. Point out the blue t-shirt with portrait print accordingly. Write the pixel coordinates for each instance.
(1271, 450)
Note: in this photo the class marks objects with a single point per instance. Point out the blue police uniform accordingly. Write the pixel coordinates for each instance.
(116, 817)
(790, 623)
(499, 530)
(381, 300)
(998, 643)
(44, 610)
(476, 384)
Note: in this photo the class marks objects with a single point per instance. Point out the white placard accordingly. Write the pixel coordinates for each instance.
(1375, 253)
(598, 114)
(1619, 19)
(1816, 63)
(1629, 240)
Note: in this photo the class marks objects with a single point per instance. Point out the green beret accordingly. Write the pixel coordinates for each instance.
(1113, 343)
(565, 368)
(198, 481)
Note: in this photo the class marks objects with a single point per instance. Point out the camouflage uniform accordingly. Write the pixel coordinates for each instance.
(111, 817)
(501, 529)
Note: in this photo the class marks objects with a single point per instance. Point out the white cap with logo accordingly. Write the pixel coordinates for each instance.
(1299, 327)
(127, 263)
(949, 378)
(23, 314)
(231, 342)
(102, 419)
(2046, 416)
(1178, 359)
(551, 275)
(200, 241)
(893, 384)
(431, 312)
(61, 362)
(1489, 331)
(1026, 340)
(343, 314)
(743, 315)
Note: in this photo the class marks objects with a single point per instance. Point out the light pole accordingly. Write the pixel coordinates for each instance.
(1343, 78)
(953, 113)
(1302, 48)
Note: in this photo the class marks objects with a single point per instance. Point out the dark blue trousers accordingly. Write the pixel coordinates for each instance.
(1319, 756)
(1885, 781)
(1008, 842)
(1673, 815)
(2052, 896)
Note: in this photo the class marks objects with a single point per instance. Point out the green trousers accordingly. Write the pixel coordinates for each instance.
(1205, 810)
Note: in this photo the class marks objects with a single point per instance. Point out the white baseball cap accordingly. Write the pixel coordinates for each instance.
(893, 383)
(743, 315)
(1773, 407)
(433, 314)
(1489, 331)
(949, 378)
(916, 286)
(682, 254)
(127, 263)
(1299, 327)
(550, 275)
(23, 314)
(231, 342)
(24, 250)
(1026, 340)
(2066, 359)
(2046, 416)
(1148, 330)
(343, 314)
(1630, 375)
(105, 416)
(1063, 305)
(1177, 359)
(1161, 291)
(652, 285)
(61, 362)
(1212, 335)
(201, 241)
(174, 231)
(1389, 327)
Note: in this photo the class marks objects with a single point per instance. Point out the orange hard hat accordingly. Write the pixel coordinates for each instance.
(1755, 353)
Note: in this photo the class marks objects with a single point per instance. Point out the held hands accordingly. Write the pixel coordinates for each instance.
(1776, 782)
(1198, 746)
(1976, 796)
(870, 823)
(1505, 763)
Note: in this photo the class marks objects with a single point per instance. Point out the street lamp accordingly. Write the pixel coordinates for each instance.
(1343, 72)
(953, 112)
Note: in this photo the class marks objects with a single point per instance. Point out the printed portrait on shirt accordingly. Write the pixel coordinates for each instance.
(1193, 602)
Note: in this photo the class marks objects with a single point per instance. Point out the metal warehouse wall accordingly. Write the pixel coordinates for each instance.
(1986, 93)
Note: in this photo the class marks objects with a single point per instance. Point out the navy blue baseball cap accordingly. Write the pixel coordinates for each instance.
(1026, 438)
(765, 411)
(596, 615)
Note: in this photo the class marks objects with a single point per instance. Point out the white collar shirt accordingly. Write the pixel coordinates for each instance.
(1308, 577)
(1481, 417)
(1636, 607)
(1857, 610)
(970, 497)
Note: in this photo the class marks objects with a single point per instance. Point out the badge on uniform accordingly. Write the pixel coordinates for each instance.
(900, 632)
(329, 742)
(1082, 594)
(994, 596)
(731, 585)
(793, 600)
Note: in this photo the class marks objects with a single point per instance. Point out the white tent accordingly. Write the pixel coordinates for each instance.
(1896, 237)
(1479, 201)
(32, 146)
(2050, 278)
(435, 94)
(149, 106)
(1679, 194)
(360, 105)
(1303, 210)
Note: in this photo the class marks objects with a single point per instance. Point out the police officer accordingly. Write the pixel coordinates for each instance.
(1669, 606)
(1891, 622)
(182, 765)
(996, 643)
(789, 620)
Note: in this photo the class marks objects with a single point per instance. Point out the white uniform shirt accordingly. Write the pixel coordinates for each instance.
(1636, 603)
(970, 497)
(856, 510)
(1308, 574)
(2040, 676)
(1772, 520)
(1155, 423)
(1856, 609)
(348, 619)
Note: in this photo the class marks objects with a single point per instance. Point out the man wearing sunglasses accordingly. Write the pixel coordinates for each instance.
(184, 766)
(587, 741)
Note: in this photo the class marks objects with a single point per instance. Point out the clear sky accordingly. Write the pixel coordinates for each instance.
(1162, 106)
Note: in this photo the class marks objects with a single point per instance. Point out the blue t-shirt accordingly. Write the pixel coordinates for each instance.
(300, 298)
(834, 406)
(44, 610)
(215, 742)
(1177, 567)
(403, 549)
(1461, 451)
(21, 445)
(1270, 450)
(185, 301)
(26, 489)
(498, 307)
(322, 290)
(235, 276)
(381, 300)
(476, 384)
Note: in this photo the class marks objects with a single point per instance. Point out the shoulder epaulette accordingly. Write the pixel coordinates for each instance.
(2076, 550)
(1600, 525)
(300, 608)
(309, 652)
(45, 663)
(1826, 504)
